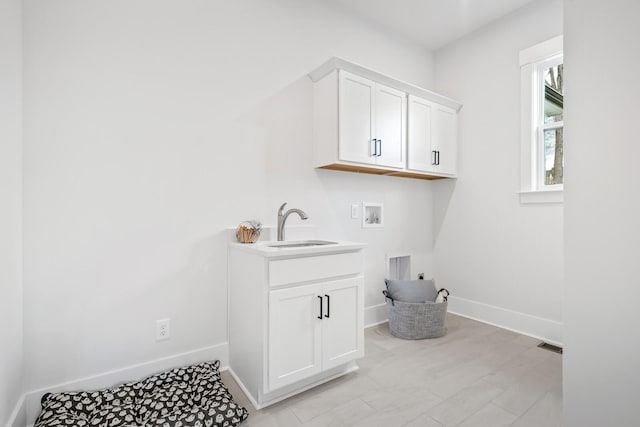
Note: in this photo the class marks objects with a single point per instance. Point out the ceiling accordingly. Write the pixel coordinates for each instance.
(431, 23)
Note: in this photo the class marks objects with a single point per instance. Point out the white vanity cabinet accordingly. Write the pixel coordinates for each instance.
(296, 317)
(432, 137)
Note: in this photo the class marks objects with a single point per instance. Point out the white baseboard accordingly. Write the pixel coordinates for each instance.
(18, 417)
(244, 389)
(129, 373)
(537, 327)
(375, 315)
(296, 388)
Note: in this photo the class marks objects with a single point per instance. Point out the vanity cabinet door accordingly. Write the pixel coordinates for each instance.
(295, 335)
(343, 322)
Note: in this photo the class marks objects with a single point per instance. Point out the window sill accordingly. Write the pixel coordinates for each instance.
(541, 196)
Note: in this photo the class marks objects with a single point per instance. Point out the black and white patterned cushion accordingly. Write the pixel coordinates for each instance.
(183, 397)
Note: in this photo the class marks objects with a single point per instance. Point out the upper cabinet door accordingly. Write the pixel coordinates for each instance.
(432, 137)
(390, 127)
(420, 157)
(445, 136)
(356, 118)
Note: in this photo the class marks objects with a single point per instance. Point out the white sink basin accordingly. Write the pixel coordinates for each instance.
(294, 248)
(301, 243)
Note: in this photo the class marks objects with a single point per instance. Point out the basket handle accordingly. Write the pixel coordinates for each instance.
(386, 295)
(446, 295)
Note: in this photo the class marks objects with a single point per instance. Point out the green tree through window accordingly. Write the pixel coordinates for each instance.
(552, 127)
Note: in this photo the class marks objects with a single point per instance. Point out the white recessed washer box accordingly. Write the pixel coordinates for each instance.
(372, 215)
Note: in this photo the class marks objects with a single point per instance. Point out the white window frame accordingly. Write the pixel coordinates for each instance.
(533, 62)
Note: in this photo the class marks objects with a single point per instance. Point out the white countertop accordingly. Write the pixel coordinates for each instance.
(263, 248)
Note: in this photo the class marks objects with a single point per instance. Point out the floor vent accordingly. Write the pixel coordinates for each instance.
(550, 347)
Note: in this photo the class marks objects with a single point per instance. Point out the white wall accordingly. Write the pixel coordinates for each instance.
(11, 372)
(150, 128)
(502, 261)
(602, 208)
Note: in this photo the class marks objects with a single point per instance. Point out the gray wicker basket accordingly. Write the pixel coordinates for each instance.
(416, 321)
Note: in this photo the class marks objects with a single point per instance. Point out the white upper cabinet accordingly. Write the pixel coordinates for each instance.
(372, 122)
(432, 140)
(368, 122)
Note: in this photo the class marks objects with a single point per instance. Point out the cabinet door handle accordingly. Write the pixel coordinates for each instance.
(374, 150)
(434, 158)
(438, 158)
(380, 149)
(321, 311)
(328, 306)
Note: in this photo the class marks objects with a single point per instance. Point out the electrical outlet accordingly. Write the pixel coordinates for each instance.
(355, 211)
(420, 276)
(163, 329)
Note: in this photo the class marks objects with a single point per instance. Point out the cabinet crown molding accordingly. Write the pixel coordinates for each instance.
(336, 63)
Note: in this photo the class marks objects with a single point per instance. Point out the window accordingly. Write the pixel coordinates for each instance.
(549, 123)
(542, 98)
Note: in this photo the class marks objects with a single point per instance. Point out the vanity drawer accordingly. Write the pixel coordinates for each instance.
(296, 270)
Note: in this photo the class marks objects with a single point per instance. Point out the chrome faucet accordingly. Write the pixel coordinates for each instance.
(282, 218)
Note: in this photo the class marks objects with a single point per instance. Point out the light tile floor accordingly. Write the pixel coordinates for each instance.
(476, 376)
